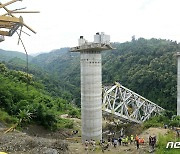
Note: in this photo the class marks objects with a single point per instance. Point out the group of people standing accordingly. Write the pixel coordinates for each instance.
(122, 140)
(91, 144)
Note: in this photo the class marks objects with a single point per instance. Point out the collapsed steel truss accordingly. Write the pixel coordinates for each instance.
(128, 105)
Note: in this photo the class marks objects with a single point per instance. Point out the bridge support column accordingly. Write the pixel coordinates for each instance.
(91, 84)
(91, 95)
(178, 83)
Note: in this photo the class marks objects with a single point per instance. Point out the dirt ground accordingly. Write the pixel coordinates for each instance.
(36, 140)
(21, 143)
(79, 148)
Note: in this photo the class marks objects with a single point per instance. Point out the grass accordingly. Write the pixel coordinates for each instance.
(7, 119)
(160, 120)
(162, 142)
(65, 123)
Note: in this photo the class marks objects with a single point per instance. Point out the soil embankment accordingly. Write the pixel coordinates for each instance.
(35, 139)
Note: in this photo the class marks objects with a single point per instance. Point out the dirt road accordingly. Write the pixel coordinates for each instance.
(79, 148)
(38, 141)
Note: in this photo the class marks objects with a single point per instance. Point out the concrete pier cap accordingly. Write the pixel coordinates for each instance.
(91, 84)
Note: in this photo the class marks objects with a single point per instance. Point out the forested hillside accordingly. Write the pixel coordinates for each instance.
(61, 63)
(63, 68)
(148, 67)
(6, 56)
(35, 105)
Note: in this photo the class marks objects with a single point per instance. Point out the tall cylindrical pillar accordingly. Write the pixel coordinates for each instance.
(91, 95)
(178, 83)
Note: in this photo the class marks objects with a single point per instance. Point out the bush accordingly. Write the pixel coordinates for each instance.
(35, 105)
(160, 120)
(157, 121)
(162, 142)
(65, 123)
(74, 113)
(69, 125)
(147, 125)
(6, 118)
(174, 123)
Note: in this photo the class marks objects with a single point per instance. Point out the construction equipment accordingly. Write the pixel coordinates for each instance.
(9, 24)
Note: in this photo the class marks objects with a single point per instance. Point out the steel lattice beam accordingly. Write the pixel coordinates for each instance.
(128, 105)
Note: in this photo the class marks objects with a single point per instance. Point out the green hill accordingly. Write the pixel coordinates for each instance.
(148, 67)
(59, 62)
(33, 106)
(8, 55)
(55, 86)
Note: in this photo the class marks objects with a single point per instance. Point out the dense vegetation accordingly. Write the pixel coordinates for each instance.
(35, 105)
(162, 142)
(64, 69)
(162, 120)
(147, 67)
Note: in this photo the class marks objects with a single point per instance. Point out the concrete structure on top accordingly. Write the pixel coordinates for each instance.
(91, 84)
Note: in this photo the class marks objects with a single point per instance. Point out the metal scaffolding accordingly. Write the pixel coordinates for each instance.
(128, 105)
(9, 24)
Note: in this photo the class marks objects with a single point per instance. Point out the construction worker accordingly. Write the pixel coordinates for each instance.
(137, 142)
(120, 140)
(153, 142)
(136, 138)
(150, 138)
(86, 145)
(132, 138)
(115, 142)
(94, 145)
(112, 140)
(109, 141)
(123, 141)
(142, 140)
(126, 140)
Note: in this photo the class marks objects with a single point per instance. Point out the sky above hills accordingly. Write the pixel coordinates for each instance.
(61, 22)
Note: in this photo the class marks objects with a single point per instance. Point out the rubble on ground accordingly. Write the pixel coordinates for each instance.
(21, 143)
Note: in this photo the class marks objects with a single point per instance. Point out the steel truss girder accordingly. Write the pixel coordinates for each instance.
(128, 105)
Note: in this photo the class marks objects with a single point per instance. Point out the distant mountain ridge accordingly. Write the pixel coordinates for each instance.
(8, 55)
(59, 60)
(47, 58)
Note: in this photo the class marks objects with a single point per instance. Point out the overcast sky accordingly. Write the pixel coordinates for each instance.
(61, 22)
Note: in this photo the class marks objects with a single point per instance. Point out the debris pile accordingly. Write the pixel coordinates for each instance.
(17, 142)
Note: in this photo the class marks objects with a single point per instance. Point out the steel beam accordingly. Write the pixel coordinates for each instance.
(128, 105)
